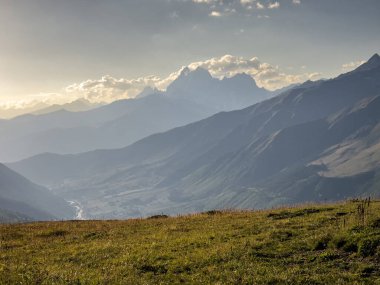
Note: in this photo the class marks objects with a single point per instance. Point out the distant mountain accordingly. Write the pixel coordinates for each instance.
(13, 217)
(9, 113)
(21, 200)
(112, 126)
(227, 94)
(372, 63)
(193, 96)
(45, 108)
(79, 105)
(317, 141)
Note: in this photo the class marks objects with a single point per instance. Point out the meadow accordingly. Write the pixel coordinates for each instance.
(308, 244)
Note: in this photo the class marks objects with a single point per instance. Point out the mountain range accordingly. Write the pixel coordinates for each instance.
(194, 95)
(22, 200)
(38, 108)
(78, 105)
(319, 141)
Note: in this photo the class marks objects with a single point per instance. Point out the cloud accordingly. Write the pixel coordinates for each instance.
(205, 1)
(351, 65)
(108, 88)
(266, 75)
(274, 5)
(246, 2)
(225, 7)
(215, 14)
(260, 6)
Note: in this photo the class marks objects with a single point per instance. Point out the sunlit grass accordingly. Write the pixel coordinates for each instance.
(311, 244)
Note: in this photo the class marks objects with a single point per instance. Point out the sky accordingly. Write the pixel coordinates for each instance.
(107, 50)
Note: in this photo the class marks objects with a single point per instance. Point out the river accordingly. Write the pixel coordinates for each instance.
(79, 214)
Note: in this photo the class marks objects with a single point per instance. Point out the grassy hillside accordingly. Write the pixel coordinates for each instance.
(312, 244)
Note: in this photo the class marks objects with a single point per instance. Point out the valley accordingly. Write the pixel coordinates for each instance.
(315, 142)
(190, 142)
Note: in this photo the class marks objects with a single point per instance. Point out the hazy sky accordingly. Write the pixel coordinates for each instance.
(48, 45)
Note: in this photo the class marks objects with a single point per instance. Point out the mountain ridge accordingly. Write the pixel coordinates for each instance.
(126, 121)
(231, 159)
(19, 195)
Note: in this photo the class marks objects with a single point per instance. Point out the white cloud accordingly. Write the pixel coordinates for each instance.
(351, 65)
(260, 6)
(239, 5)
(266, 75)
(246, 2)
(215, 14)
(315, 76)
(274, 5)
(205, 1)
(108, 89)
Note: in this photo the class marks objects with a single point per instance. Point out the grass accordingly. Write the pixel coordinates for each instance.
(311, 244)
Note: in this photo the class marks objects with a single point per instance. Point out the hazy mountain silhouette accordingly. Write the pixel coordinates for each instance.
(79, 105)
(318, 141)
(7, 216)
(193, 96)
(227, 94)
(44, 108)
(21, 199)
(12, 112)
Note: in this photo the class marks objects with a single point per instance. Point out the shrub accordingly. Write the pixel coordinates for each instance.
(322, 243)
(299, 213)
(328, 255)
(357, 229)
(345, 243)
(339, 241)
(367, 246)
(281, 235)
(57, 233)
(158, 217)
(350, 246)
(155, 269)
(214, 212)
(366, 271)
(376, 224)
